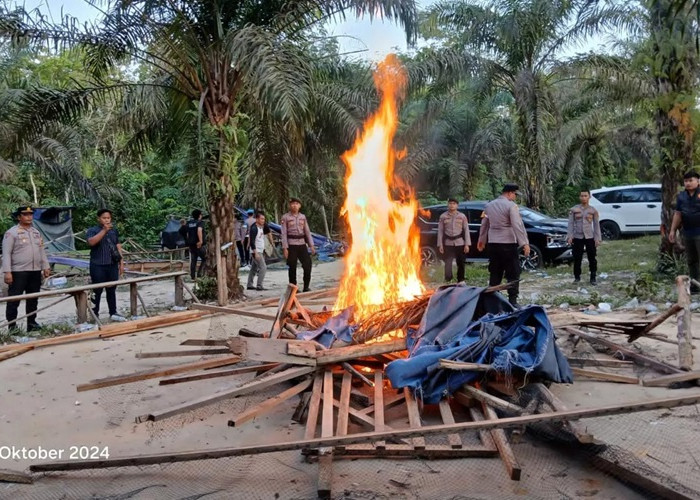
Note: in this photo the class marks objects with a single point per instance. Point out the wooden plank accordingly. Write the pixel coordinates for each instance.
(413, 417)
(15, 352)
(246, 388)
(357, 351)
(462, 366)
(269, 404)
(325, 462)
(577, 428)
(74, 289)
(605, 377)
(618, 349)
(390, 400)
(81, 306)
(205, 342)
(179, 291)
(407, 451)
(269, 350)
(669, 380)
(14, 476)
(368, 437)
(504, 449)
(191, 352)
(117, 329)
(302, 310)
(314, 406)
(228, 310)
(448, 418)
(191, 293)
(286, 301)
(675, 308)
(133, 299)
(157, 373)
(301, 348)
(609, 363)
(344, 408)
(379, 407)
(216, 374)
(302, 408)
(684, 319)
(485, 436)
(491, 400)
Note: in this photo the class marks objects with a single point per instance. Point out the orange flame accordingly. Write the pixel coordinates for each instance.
(383, 264)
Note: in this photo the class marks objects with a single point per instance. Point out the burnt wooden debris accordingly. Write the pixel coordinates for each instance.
(350, 411)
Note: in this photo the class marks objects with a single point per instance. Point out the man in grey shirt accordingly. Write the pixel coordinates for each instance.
(23, 262)
(583, 232)
(453, 239)
(503, 229)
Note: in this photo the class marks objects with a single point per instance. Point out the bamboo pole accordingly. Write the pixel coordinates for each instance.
(684, 318)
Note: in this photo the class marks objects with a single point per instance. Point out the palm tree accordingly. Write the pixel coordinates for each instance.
(211, 67)
(515, 45)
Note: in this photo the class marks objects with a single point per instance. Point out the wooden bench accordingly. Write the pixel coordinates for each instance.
(80, 295)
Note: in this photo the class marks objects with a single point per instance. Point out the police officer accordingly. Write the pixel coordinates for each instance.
(584, 233)
(196, 240)
(687, 214)
(295, 236)
(23, 260)
(453, 239)
(503, 229)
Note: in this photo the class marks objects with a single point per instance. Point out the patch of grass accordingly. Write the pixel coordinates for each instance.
(205, 288)
(475, 274)
(629, 255)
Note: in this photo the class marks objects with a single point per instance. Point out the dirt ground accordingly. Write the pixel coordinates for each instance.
(39, 407)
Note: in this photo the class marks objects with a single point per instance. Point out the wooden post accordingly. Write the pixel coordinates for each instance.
(179, 292)
(685, 334)
(134, 299)
(221, 288)
(81, 306)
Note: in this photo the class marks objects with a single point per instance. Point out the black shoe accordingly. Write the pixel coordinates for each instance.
(577, 280)
(260, 288)
(593, 282)
(34, 326)
(251, 288)
(307, 289)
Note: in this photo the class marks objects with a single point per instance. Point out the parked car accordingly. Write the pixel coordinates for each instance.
(547, 235)
(634, 209)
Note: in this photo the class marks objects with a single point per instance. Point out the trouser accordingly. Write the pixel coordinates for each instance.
(102, 274)
(589, 245)
(23, 282)
(239, 245)
(258, 267)
(246, 249)
(195, 253)
(299, 253)
(454, 253)
(692, 251)
(504, 259)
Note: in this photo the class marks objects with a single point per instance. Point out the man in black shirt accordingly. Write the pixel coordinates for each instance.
(687, 214)
(196, 240)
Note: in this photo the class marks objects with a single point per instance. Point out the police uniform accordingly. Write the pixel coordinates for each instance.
(503, 229)
(24, 256)
(453, 235)
(688, 206)
(584, 230)
(295, 237)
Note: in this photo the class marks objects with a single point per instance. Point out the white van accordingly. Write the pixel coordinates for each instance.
(628, 209)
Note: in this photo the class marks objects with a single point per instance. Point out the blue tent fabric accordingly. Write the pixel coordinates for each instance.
(515, 340)
(336, 328)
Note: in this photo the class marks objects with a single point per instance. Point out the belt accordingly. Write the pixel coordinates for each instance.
(452, 238)
(296, 236)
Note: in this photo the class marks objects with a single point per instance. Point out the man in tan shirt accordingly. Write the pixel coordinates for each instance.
(453, 239)
(583, 232)
(23, 261)
(295, 236)
(503, 229)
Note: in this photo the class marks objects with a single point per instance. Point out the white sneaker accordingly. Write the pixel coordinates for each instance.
(117, 317)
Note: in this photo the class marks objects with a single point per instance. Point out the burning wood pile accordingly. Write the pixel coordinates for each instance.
(462, 364)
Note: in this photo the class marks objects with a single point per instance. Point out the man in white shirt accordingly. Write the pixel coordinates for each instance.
(257, 248)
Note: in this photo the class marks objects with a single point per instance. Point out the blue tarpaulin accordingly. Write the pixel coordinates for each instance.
(460, 325)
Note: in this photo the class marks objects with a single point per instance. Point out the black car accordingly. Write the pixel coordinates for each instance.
(547, 235)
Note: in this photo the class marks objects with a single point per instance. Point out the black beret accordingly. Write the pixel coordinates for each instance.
(511, 188)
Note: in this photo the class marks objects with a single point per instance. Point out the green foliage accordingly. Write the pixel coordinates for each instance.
(206, 289)
(643, 286)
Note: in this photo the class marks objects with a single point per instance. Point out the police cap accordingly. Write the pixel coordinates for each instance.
(511, 188)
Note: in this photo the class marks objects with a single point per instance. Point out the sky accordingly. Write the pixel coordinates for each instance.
(359, 38)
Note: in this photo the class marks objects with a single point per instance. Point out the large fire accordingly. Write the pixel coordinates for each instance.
(383, 264)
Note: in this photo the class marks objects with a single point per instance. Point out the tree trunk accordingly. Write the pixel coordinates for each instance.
(221, 217)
